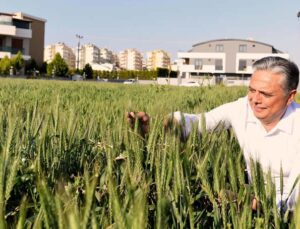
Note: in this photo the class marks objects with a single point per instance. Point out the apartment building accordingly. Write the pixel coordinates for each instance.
(230, 57)
(106, 56)
(88, 54)
(130, 59)
(158, 59)
(65, 51)
(22, 32)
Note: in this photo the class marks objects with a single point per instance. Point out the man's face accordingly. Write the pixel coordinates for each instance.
(267, 97)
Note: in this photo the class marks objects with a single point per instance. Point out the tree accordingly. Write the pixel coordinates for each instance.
(162, 72)
(5, 64)
(88, 70)
(30, 66)
(57, 66)
(43, 67)
(17, 62)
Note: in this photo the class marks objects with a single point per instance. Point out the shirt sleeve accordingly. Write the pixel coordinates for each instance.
(212, 119)
(293, 185)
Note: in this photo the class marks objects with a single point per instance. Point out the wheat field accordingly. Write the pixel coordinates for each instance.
(70, 160)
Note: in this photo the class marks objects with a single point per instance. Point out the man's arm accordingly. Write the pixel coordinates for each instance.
(208, 120)
(224, 114)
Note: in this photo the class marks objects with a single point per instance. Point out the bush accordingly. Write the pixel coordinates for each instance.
(5, 64)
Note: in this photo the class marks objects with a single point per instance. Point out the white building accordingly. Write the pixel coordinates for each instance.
(66, 53)
(89, 54)
(230, 57)
(158, 59)
(130, 59)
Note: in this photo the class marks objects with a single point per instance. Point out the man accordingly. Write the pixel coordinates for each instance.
(266, 122)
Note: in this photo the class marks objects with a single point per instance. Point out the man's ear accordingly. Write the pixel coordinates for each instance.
(291, 96)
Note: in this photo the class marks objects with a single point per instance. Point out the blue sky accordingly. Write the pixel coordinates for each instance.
(172, 25)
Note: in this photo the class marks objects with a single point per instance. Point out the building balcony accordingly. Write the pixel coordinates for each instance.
(253, 57)
(24, 33)
(11, 30)
(187, 68)
(205, 68)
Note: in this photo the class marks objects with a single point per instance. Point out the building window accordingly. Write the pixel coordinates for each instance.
(219, 48)
(219, 64)
(243, 48)
(21, 24)
(242, 65)
(198, 64)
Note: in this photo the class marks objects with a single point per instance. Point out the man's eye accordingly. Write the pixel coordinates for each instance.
(266, 95)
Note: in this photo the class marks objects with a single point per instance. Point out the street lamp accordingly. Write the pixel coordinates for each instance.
(79, 37)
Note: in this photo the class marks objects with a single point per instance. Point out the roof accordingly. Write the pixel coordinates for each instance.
(21, 14)
(6, 14)
(231, 39)
(234, 39)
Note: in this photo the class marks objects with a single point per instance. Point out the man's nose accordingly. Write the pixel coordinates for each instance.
(256, 97)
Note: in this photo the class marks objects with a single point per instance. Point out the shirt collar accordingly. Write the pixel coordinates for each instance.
(285, 124)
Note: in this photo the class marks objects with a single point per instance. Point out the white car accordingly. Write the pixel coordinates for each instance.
(191, 84)
(130, 81)
(77, 77)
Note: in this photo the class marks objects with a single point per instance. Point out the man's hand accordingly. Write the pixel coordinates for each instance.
(140, 118)
(254, 204)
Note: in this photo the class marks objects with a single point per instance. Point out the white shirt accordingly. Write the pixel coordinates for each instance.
(280, 147)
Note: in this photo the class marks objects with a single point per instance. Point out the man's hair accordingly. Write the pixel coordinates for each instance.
(281, 66)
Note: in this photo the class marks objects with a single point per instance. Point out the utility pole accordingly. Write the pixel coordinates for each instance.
(79, 37)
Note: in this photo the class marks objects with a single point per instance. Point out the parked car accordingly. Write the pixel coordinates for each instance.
(190, 84)
(77, 77)
(102, 80)
(130, 81)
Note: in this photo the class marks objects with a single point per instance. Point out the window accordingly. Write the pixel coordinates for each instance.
(21, 24)
(242, 65)
(198, 64)
(243, 48)
(219, 48)
(218, 64)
